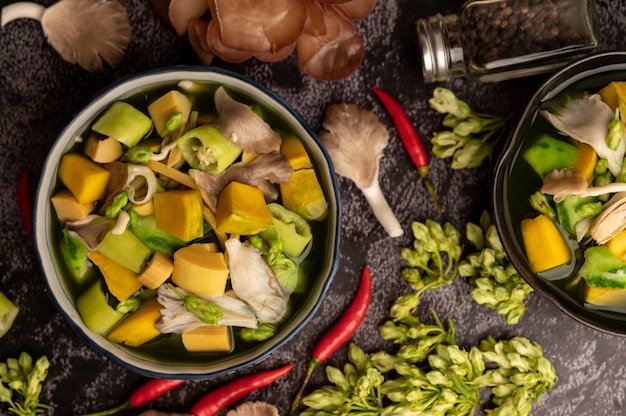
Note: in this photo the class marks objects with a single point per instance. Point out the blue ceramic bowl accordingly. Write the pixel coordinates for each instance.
(184, 365)
(515, 182)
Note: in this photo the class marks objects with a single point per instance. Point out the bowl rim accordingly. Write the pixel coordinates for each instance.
(41, 228)
(579, 70)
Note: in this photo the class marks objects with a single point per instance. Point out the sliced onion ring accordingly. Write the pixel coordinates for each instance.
(135, 171)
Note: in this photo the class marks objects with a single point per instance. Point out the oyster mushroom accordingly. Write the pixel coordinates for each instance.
(561, 183)
(611, 221)
(355, 139)
(254, 409)
(262, 173)
(83, 32)
(243, 127)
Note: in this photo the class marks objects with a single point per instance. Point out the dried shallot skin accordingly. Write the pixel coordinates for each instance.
(322, 33)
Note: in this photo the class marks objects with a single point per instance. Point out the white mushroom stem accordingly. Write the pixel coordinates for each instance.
(382, 211)
(21, 10)
(122, 222)
(135, 171)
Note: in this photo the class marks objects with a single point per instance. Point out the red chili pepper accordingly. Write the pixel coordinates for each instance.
(410, 139)
(24, 202)
(341, 332)
(148, 391)
(229, 393)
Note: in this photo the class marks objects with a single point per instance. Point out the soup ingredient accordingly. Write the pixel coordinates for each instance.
(573, 209)
(207, 149)
(228, 394)
(611, 221)
(242, 210)
(254, 282)
(290, 228)
(355, 139)
(544, 244)
(208, 338)
(86, 32)
(303, 195)
(135, 173)
(561, 183)
(603, 269)
(125, 249)
(103, 150)
(179, 213)
(8, 313)
(85, 179)
(470, 137)
(263, 172)
(494, 281)
(24, 202)
(295, 153)
(121, 281)
(617, 245)
(261, 333)
(200, 268)
(284, 268)
(138, 327)
(341, 332)
(68, 208)
(124, 123)
(145, 228)
(587, 120)
(95, 311)
(165, 107)
(254, 409)
(548, 153)
(21, 383)
(148, 391)
(410, 139)
(243, 127)
(605, 297)
(157, 271)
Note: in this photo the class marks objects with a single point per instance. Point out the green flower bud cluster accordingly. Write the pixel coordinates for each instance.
(433, 261)
(21, 384)
(470, 137)
(431, 375)
(495, 282)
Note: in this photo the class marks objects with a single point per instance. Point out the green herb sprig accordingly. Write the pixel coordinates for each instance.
(21, 384)
(470, 137)
(495, 282)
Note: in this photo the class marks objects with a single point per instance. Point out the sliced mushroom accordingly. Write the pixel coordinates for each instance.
(355, 139)
(611, 221)
(561, 183)
(263, 172)
(243, 126)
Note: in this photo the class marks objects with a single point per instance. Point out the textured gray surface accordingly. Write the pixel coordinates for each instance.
(39, 93)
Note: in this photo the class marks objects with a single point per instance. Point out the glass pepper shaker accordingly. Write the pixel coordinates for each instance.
(495, 40)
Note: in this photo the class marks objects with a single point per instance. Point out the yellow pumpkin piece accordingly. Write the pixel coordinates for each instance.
(303, 195)
(295, 153)
(208, 339)
(199, 268)
(103, 150)
(587, 159)
(164, 107)
(617, 245)
(84, 178)
(604, 296)
(157, 271)
(179, 213)
(611, 93)
(145, 209)
(121, 281)
(242, 210)
(139, 327)
(68, 208)
(247, 157)
(545, 246)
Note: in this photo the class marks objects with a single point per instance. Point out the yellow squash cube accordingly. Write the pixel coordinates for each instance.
(179, 213)
(201, 269)
(545, 246)
(303, 195)
(139, 327)
(68, 208)
(208, 339)
(242, 210)
(121, 281)
(85, 179)
(295, 153)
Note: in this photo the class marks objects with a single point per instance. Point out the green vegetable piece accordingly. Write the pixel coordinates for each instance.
(206, 149)
(74, 252)
(616, 132)
(548, 153)
(207, 311)
(95, 311)
(290, 228)
(117, 205)
(539, 201)
(128, 305)
(139, 154)
(263, 332)
(285, 269)
(8, 313)
(125, 249)
(573, 209)
(172, 124)
(603, 269)
(144, 227)
(124, 123)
